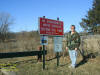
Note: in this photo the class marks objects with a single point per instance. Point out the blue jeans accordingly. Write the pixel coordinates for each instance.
(73, 57)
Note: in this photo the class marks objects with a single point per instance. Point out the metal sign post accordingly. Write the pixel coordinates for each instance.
(44, 41)
(43, 56)
(43, 52)
(57, 58)
(58, 52)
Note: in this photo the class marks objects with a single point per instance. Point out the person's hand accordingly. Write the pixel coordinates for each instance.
(75, 48)
(66, 48)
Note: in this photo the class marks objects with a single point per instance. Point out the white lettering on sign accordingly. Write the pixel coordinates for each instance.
(47, 25)
(60, 30)
(43, 20)
(55, 26)
(43, 29)
(47, 29)
(54, 22)
(50, 27)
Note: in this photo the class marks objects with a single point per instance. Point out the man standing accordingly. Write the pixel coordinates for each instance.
(73, 42)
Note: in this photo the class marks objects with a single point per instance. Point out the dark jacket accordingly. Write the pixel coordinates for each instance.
(73, 41)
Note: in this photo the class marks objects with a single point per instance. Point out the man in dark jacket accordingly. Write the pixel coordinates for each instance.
(73, 43)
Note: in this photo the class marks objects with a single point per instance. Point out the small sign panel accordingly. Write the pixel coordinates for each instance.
(58, 44)
(44, 40)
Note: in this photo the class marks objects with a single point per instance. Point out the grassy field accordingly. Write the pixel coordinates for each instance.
(30, 66)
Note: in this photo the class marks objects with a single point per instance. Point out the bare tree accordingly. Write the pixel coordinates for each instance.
(5, 21)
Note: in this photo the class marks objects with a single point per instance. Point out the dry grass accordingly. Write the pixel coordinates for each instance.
(29, 65)
(90, 44)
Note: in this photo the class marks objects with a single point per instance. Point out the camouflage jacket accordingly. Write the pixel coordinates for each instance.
(73, 41)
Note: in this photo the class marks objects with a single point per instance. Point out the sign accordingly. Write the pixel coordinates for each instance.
(50, 27)
(57, 44)
(44, 40)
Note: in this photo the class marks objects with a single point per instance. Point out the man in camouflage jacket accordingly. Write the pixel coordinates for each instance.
(73, 43)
